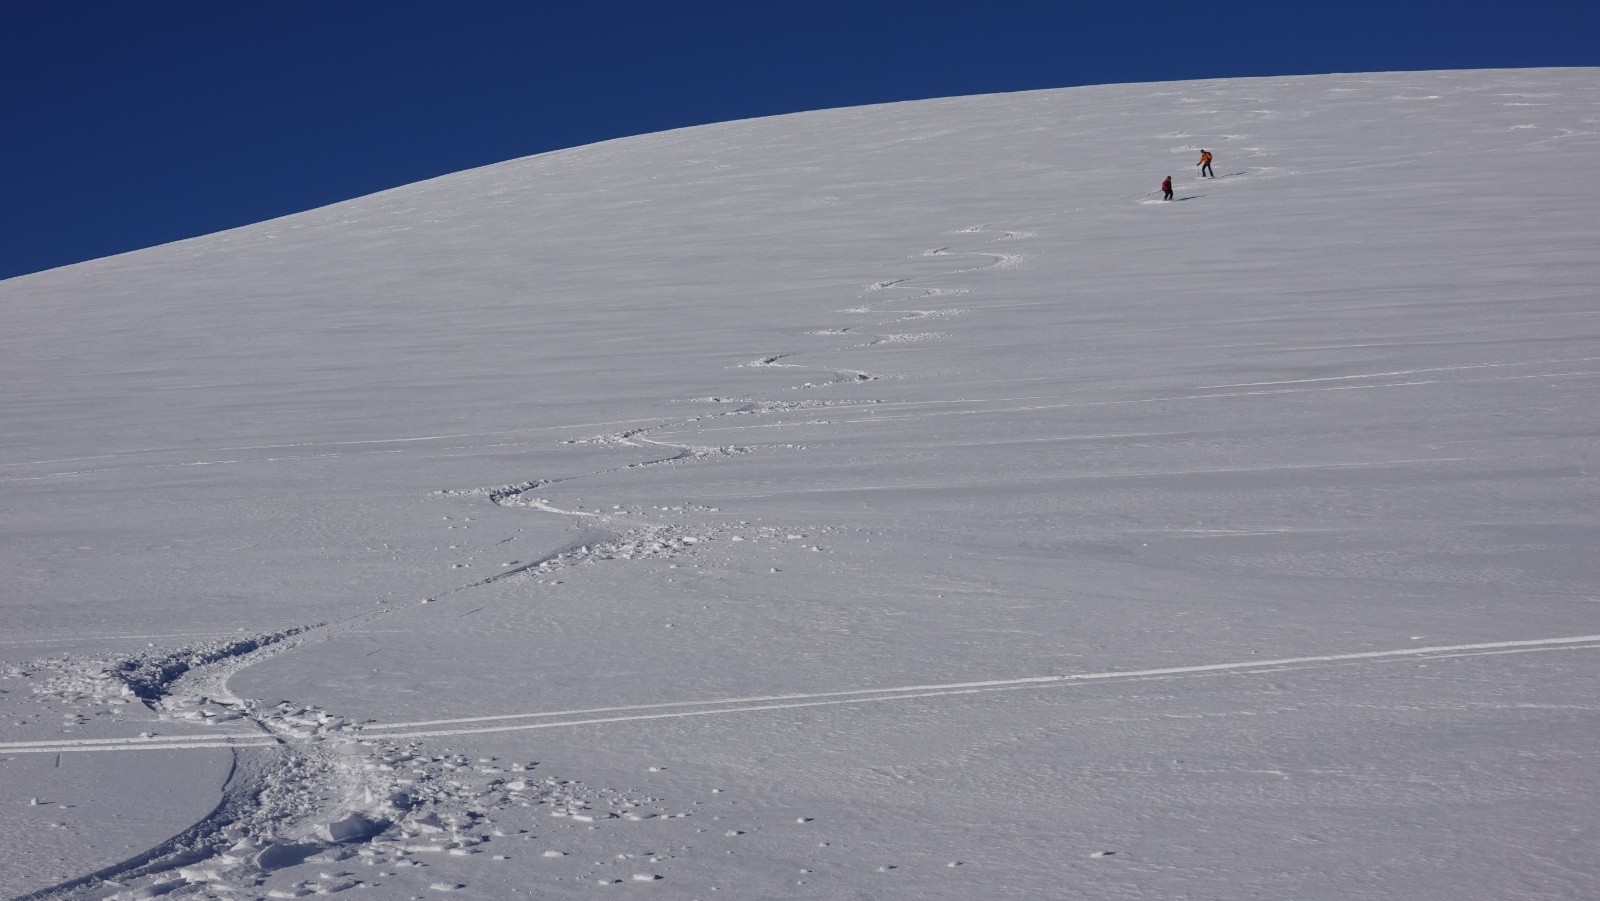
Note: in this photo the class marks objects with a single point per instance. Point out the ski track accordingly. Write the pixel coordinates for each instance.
(491, 723)
(866, 695)
(91, 639)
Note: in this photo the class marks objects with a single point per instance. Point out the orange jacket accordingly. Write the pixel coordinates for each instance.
(1205, 157)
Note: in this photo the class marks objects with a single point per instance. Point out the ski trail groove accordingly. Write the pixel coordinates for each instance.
(906, 692)
(508, 722)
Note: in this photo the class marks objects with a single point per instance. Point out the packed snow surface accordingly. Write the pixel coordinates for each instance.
(894, 502)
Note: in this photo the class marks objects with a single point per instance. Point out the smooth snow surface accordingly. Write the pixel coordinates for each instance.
(896, 502)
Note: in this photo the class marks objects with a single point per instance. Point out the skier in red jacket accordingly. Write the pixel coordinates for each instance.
(1166, 188)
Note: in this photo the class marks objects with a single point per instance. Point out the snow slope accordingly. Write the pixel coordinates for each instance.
(873, 503)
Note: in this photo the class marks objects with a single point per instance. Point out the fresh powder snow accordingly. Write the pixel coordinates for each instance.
(891, 502)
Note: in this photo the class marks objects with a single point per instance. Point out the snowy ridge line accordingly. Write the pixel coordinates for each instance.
(863, 695)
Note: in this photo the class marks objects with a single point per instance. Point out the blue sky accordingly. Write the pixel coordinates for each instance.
(134, 124)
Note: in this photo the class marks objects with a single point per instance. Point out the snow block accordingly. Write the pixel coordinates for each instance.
(278, 855)
(354, 827)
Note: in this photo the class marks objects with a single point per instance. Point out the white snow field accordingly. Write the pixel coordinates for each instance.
(894, 502)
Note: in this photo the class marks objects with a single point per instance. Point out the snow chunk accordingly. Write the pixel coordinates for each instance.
(352, 827)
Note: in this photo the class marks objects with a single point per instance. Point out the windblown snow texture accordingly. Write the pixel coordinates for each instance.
(894, 502)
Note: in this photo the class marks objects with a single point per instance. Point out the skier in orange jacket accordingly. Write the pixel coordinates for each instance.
(1205, 164)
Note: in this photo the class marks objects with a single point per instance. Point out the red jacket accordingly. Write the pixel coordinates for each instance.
(1166, 184)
